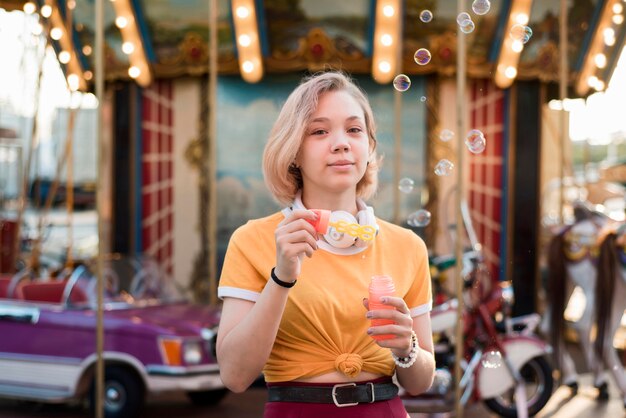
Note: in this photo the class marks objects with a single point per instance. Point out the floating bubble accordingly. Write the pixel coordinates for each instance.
(405, 185)
(521, 33)
(528, 33)
(426, 16)
(475, 141)
(422, 56)
(492, 360)
(423, 99)
(467, 26)
(462, 17)
(446, 135)
(444, 167)
(402, 82)
(481, 7)
(419, 218)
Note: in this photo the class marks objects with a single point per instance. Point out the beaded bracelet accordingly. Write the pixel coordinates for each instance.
(406, 362)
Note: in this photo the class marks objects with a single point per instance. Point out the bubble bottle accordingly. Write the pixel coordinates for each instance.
(381, 286)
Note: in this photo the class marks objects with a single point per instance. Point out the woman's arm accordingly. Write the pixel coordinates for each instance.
(246, 335)
(419, 377)
(247, 329)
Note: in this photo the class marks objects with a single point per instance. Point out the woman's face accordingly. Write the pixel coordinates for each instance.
(334, 153)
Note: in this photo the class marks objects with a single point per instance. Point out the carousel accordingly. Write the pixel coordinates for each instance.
(131, 135)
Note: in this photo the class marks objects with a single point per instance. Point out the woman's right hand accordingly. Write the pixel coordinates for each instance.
(295, 237)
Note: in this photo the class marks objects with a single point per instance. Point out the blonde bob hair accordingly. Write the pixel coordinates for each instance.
(281, 176)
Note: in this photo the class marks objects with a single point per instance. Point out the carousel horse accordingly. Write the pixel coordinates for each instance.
(611, 291)
(571, 263)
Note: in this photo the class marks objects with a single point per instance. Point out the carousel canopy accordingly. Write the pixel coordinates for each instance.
(506, 40)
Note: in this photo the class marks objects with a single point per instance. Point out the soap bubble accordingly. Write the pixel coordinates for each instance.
(467, 26)
(481, 7)
(422, 56)
(446, 135)
(402, 82)
(492, 360)
(475, 141)
(419, 218)
(462, 17)
(444, 167)
(423, 99)
(521, 33)
(405, 185)
(426, 16)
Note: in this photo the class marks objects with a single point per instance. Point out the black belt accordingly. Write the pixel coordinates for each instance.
(342, 394)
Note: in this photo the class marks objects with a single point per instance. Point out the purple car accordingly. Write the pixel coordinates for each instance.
(152, 344)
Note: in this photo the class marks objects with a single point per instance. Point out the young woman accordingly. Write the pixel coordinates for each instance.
(313, 339)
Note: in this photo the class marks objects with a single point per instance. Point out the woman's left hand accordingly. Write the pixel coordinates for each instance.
(400, 345)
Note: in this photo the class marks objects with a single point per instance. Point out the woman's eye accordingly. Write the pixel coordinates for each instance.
(318, 132)
(355, 130)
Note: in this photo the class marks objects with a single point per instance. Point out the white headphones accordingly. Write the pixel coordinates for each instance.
(342, 240)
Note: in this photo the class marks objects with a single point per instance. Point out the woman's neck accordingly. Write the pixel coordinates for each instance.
(343, 201)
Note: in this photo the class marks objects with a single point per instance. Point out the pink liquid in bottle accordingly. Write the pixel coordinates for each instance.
(379, 287)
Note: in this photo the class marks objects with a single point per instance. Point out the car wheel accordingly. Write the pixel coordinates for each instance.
(207, 397)
(123, 394)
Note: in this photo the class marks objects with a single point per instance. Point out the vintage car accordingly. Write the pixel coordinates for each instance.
(153, 342)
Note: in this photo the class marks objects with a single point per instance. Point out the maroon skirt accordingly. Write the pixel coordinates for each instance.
(392, 408)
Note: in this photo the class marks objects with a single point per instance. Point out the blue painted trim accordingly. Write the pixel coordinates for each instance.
(503, 18)
(586, 44)
(138, 244)
(262, 25)
(143, 30)
(369, 50)
(504, 201)
(231, 21)
(78, 49)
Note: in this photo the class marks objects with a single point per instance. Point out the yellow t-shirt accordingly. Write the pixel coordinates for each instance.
(324, 327)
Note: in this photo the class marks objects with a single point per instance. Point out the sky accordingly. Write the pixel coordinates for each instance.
(597, 119)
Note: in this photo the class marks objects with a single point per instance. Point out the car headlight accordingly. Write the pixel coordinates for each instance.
(192, 353)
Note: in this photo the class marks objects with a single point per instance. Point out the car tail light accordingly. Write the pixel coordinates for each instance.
(171, 351)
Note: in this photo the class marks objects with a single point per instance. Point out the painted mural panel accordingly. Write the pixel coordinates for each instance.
(245, 116)
(347, 23)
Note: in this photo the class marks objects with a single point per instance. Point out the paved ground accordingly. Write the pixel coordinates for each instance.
(250, 405)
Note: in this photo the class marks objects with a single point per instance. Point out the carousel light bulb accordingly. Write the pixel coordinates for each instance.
(599, 85)
(600, 60)
(71, 4)
(592, 81)
(87, 50)
(617, 8)
(64, 57)
(46, 11)
(517, 46)
(134, 72)
(384, 66)
(73, 82)
(521, 19)
(386, 39)
(29, 8)
(247, 66)
(244, 40)
(121, 22)
(88, 75)
(242, 12)
(56, 33)
(128, 48)
(388, 11)
(510, 72)
(618, 19)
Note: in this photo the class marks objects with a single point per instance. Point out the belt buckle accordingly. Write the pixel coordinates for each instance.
(340, 385)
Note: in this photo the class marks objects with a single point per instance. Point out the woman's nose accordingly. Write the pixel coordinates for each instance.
(340, 143)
